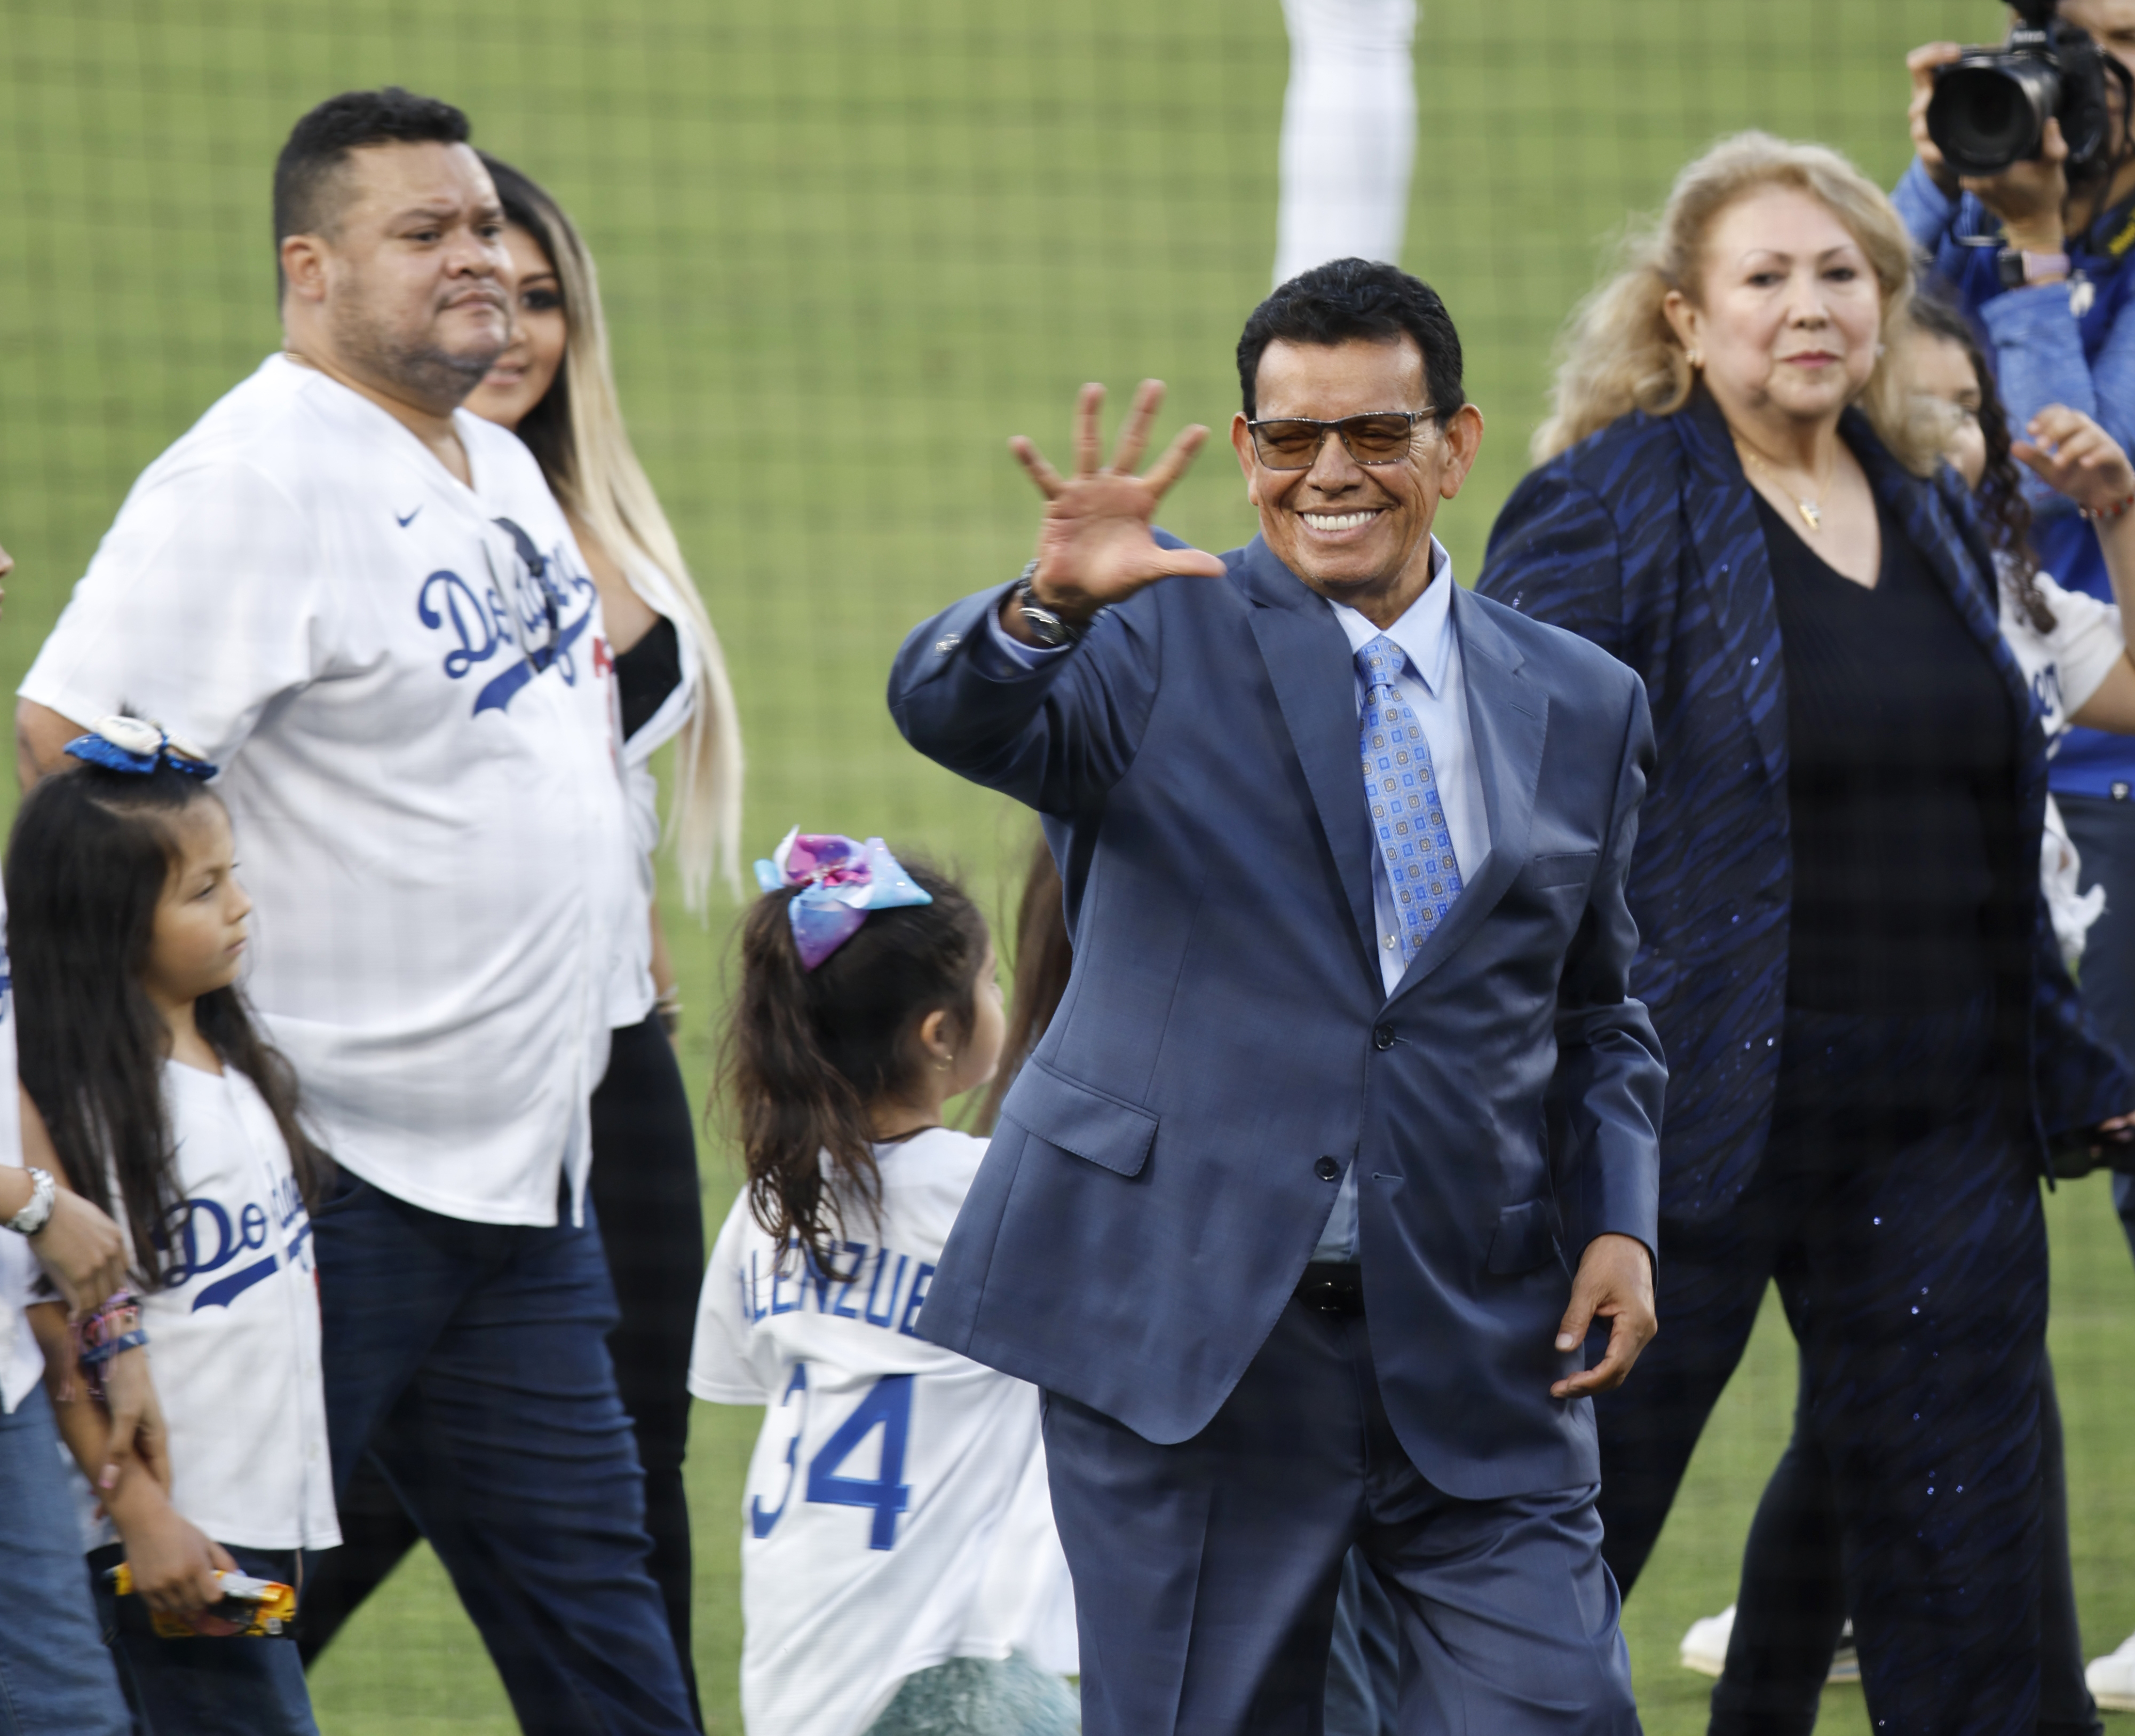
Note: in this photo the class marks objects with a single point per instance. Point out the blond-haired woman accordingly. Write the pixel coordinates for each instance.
(553, 387)
(1870, 1034)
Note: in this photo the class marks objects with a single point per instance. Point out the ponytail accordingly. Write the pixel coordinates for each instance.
(806, 1051)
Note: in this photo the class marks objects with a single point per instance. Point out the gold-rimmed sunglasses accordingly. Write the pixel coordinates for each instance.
(1377, 437)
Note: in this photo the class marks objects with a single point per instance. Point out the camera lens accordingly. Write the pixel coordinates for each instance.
(1989, 113)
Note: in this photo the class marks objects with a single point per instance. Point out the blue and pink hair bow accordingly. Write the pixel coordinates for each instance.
(841, 880)
(137, 745)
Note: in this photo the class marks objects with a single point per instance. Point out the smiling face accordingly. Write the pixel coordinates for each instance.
(1788, 310)
(520, 377)
(411, 277)
(198, 941)
(1357, 534)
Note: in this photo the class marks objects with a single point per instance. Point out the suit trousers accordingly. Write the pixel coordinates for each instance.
(1896, 1207)
(1206, 1574)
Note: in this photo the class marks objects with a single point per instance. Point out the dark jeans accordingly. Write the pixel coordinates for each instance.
(2103, 833)
(644, 1196)
(194, 1687)
(1897, 1209)
(1206, 1574)
(1793, 1599)
(472, 1361)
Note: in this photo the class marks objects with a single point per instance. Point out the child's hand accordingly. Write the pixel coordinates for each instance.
(138, 1442)
(2074, 456)
(173, 1561)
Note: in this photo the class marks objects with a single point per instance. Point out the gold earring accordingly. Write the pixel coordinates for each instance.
(945, 1065)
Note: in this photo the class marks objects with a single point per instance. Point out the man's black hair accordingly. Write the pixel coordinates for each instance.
(1351, 298)
(320, 142)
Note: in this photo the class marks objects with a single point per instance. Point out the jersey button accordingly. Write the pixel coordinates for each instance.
(1383, 1036)
(1328, 1170)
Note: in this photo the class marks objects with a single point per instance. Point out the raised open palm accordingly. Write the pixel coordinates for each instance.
(1094, 547)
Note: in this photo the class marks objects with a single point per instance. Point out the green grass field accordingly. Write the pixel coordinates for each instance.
(848, 249)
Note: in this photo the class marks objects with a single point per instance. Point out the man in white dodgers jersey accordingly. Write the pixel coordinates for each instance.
(364, 603)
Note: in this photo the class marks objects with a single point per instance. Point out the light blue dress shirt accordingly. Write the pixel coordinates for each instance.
(1433, 685)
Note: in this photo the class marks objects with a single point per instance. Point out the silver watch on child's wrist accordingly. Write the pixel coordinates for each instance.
(34, 1216)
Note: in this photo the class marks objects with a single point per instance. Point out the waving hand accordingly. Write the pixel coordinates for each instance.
(1094, 546)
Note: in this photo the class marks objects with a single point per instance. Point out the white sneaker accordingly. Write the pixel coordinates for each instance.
(1704, 1650)
(2111, 1678)
(1846, 1661)
(1705, 1646)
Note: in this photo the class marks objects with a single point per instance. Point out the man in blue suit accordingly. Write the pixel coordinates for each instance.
(1345, 1131)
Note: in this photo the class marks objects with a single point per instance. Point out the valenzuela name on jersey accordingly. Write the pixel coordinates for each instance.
(795, 1280)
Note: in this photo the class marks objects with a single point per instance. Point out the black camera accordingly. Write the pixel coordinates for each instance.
(1990, 108)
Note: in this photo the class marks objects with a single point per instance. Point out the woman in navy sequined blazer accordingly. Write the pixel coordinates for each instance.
(1872, 1047)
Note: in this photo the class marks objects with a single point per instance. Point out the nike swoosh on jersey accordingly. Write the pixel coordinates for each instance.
(405, 523)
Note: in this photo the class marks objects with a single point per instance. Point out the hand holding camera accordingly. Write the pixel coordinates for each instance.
(2017, 125)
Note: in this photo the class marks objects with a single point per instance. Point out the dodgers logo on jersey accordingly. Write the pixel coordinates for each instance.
(533, 615)
(209, 1237)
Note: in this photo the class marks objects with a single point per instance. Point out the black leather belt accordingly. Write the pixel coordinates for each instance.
(1330, 1287)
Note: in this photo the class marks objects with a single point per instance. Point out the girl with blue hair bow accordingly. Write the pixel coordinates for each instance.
(899, 1568)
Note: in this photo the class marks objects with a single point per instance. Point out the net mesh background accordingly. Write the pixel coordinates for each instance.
(846, 249)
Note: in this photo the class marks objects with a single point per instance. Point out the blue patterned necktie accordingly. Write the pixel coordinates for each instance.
(1407, 818)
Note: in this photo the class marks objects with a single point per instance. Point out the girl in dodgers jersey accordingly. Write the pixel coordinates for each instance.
(899, 1567)
(126, 926)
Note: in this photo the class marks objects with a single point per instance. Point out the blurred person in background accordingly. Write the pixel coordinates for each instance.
(365, 603)
(1348, 132)
(2039, 256)
(1776, 1643)
(553, 386)
(1872, 1036)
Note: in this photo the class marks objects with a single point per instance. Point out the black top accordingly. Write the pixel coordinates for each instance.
(647, 673)
(1901, 783)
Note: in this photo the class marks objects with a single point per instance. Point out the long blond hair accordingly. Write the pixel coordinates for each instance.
(1619, 353)
(577, 432)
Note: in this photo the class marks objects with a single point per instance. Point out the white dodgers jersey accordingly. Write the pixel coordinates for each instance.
(897, 1513)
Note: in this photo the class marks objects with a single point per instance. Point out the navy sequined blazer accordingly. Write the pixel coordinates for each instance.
(1644, 538)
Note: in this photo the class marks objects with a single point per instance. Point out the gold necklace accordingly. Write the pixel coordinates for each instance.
(1812, 511)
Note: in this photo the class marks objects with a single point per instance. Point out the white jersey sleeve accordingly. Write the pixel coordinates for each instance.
(198, 609)
(2064, 668)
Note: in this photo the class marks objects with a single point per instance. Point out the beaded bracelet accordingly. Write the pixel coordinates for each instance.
(2107, 515)
(111, 1331)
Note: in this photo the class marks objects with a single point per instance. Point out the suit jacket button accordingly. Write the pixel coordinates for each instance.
(1383, 1036)
(1328, 1170)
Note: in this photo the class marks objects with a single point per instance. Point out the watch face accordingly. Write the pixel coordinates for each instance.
(2009, 267)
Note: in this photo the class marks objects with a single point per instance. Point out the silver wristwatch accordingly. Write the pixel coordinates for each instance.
(34, 1216)
(1046, 626)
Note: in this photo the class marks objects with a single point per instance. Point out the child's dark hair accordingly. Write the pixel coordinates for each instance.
(806, 1051)
(2003, 511)
(92, 853)
(1044, 957)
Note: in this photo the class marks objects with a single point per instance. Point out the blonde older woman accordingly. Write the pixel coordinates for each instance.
(1869, 1033)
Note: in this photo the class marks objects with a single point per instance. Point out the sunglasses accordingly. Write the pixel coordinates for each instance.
(1377, 437)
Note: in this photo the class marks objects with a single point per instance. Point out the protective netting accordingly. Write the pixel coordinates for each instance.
(846, 250)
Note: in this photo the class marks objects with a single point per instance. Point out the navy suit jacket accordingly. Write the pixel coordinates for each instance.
(1644, 538)
(1156, 1183)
